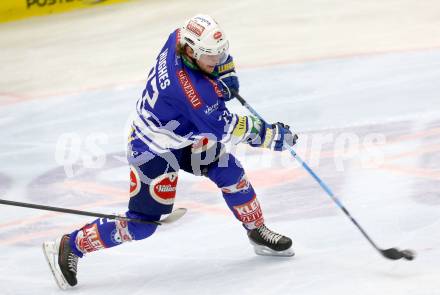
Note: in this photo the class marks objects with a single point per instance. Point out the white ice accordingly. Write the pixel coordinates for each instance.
(340, 71)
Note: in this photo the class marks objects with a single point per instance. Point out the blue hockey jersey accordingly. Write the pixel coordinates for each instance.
(181, 105)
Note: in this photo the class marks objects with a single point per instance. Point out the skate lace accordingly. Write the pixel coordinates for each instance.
(268, 235)
(72, 262)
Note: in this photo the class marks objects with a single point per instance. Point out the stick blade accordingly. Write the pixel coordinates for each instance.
(392, 253)
(174, 216)
(395, 254)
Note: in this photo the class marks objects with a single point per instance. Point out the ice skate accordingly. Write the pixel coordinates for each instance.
(269, 243)
(62, 261)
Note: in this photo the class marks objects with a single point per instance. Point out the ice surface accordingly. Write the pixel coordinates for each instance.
(392, 188)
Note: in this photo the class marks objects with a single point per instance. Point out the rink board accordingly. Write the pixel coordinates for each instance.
(11, 10)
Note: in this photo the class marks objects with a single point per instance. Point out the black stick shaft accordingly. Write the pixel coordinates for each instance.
(313, 174)
(76, 212)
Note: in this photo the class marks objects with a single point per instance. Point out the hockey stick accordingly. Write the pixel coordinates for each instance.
(172, 217)
(392, 253)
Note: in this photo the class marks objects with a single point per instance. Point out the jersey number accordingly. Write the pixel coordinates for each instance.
(151, 80)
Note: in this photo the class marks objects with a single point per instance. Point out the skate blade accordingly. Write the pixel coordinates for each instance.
(266, 251)
(51, 254)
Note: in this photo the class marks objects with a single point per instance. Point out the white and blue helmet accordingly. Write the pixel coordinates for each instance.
(204, 35)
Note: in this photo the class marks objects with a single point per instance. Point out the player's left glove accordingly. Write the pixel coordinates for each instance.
(228, 78)
(277, 137)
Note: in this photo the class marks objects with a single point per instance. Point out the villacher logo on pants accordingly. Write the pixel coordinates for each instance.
(163, 188)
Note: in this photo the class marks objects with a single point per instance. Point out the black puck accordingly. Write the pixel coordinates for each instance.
(408, 254)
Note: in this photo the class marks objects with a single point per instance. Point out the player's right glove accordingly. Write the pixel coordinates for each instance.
(277, 137)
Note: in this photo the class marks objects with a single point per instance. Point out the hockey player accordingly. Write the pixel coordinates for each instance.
(182, 123)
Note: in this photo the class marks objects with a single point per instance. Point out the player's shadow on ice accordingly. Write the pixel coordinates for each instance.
(183, 275)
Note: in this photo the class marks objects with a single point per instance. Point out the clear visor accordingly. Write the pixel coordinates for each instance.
(214, 60)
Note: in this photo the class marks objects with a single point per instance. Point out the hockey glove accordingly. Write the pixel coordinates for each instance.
(277, 137)
(228, 78)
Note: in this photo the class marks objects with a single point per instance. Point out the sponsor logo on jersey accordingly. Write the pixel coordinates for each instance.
(163, 188)
(250, 213)
(135, 182)
(88, 239)
(196, 28)
(189, 90)
(210, 109)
